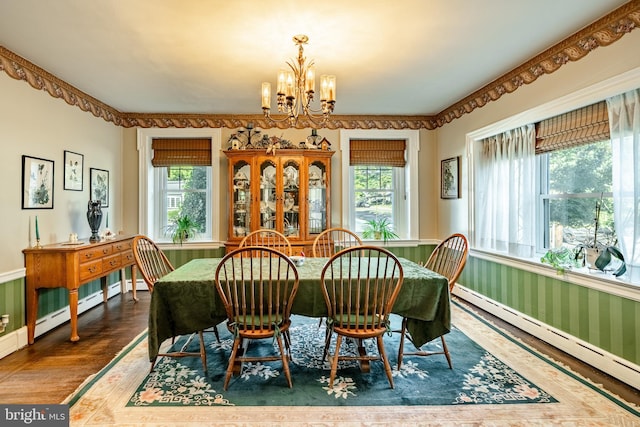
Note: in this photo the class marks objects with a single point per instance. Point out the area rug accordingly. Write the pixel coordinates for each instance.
(496, 380)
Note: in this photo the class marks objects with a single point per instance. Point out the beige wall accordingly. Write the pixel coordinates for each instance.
(35, 124)
(602, 64)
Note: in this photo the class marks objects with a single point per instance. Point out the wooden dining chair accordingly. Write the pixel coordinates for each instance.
(447, 259)
(257, 286)
(333, 240)
(360, 285)
(154, 264)
(268, 238)
(151, 261)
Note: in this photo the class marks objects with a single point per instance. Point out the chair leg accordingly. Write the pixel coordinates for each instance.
(327, 342)
(215, 331)
(203, 352)
(446, 352)
(285, 362)
(334, 364)
(232, 362)
(403, 331)
(153, 364)
(383, 356)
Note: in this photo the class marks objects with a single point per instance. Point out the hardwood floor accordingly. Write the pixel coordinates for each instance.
(52, 368)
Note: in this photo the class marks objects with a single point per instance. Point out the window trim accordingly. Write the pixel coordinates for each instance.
(146, 172)
(411, 176)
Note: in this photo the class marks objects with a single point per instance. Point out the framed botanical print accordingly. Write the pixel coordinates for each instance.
(99, 185)
(37, 183)
(450, 178)
(73, 171)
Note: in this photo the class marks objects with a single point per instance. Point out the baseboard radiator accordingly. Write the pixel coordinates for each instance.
(17, 339)
(609, 363)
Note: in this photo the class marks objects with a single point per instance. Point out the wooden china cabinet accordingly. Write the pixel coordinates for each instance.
(288, 191)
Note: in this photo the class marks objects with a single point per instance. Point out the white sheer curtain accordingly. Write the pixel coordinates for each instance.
(505, 192)
(624, 121)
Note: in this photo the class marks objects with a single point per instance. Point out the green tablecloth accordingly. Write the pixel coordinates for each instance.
(185, 300)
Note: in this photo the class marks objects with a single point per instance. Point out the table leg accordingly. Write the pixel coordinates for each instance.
(105, 291)
(32, 313)
(73, 309)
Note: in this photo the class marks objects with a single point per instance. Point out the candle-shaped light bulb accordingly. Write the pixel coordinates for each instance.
(324, 87)
(289, 91)
(37, 229)
(310, 80)
(332, 88)
(282, 81)
(266, 95)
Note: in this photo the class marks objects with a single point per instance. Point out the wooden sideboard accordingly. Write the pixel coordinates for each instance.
(70, 265)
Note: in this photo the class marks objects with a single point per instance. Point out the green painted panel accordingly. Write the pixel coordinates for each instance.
(607, 321)
(12, 299)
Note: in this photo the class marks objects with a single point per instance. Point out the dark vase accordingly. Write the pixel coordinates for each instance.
(94, 216)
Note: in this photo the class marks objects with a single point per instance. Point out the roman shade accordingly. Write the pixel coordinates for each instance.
(181, 152)
(582, 126)
(377, 152)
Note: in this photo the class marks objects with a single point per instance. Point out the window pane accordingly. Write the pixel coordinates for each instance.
(374, 198)
(186, 194)
(572, 221)
(578, 178)
(582, 169)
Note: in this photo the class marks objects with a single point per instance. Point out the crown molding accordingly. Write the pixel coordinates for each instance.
(601, 33)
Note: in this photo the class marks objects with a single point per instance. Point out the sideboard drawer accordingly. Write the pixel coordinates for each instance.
(112, 262)
(90, 269)
(95, 253)
(122, 246)
(128, 258)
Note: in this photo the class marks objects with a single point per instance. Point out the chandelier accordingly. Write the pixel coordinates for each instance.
(296, 90)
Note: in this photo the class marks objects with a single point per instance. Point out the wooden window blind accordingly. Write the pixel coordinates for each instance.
(377, 152)
(582, 126)
(181, 152)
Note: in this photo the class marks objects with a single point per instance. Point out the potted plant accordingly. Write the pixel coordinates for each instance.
(561, 259)
(379, 229)
(181, 228)
(600, 254)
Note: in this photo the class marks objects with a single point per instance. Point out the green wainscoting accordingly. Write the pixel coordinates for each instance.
(178, 257)
(12, 302)
(607, 321)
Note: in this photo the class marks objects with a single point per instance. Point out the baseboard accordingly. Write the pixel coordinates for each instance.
(13, 341)
(609, 363)
(57, 318)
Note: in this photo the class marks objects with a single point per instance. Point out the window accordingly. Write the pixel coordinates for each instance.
(571, 182)
(573, 174)
(183, 191)
(379, 184)
(168, 189)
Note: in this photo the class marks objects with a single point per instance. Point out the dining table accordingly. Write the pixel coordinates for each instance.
(186, 300)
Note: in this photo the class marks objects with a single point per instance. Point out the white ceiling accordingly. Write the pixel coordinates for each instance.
(401, 57)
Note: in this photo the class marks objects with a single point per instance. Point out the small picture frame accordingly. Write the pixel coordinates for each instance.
(73, 171)
(99, 186)
(37, 183)
(450, 178)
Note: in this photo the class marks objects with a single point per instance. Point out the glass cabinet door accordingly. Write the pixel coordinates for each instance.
(291, 198)
(241, 200)
(317, 192)
(268, 195)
